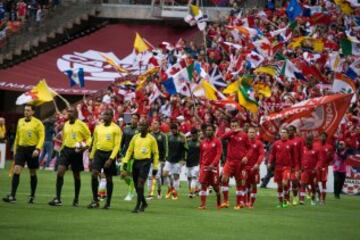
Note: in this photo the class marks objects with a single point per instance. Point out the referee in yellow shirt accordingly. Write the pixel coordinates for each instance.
(75, 140)
(144, 150)
(106, 144)
(29, 140)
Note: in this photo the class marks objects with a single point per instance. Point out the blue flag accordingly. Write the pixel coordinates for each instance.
(293, 10)
(76, 77)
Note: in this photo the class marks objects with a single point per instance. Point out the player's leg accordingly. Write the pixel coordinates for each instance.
(77, 166)
(150, 185)
(227, 172)
(94, 186)
(215, 183)
(109, 173)
(286, 186)
(77, 187)
(167, 179)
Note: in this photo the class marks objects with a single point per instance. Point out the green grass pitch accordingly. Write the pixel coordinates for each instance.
(167, 219)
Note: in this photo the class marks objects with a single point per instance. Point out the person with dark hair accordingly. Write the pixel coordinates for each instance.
(29, 140)
(339, 166)
(192, 162)
(105, 147)
(161, 140)
(210, 154)
(281, 156)
(128, 132)
(76, 139)
(144, 150)
(177, 152)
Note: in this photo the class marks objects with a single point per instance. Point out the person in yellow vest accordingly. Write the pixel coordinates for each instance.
(106, 144)
(29, 140)
(75, 140)
(144, 150)
(2, 130)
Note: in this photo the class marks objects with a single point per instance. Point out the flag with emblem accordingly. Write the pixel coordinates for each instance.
(39, 94)
(76, 77)
(344, 84)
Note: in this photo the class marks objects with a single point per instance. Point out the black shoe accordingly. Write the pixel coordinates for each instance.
(55, 202)
(143, 207)
(75, 202)
(93, 204)
(136, 210)
(106, 206)
(9, 199)
(31, 200)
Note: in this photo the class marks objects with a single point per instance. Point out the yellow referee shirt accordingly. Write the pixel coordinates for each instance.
(2, 132)
(76, 132)
(143, 148)
(29, 133)
(106, 138)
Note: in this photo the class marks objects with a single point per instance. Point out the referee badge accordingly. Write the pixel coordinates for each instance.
(108, 137)
(144, 150)
(29, 133)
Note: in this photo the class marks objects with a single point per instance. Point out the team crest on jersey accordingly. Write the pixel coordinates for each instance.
(73, 135)
(29, 134)
(108, 136)
(144, 150)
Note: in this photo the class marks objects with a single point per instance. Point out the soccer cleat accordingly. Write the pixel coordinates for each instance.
(159, 196)
(31, 200)
(313, 203)
(143, 207)
(128, 197)
(225, 204)
(202, 207)
(174, 197)
(136, 210)
(285, 205)
(55, 202)
(168, 194)
(93, 204)
(190, 195)
(149, 197)
(237, 207)
(279, 205)
(295, 201)
(106, 206)
(9, 199)
(75, 202)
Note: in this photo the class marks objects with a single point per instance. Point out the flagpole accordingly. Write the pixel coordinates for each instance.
(61, 97)
(55, 105)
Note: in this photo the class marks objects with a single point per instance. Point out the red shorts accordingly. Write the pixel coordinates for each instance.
(321, 174)
(293, 175)
(208, 177)
(307, 177)
(282, 174)
(252, 177)
(233, 169)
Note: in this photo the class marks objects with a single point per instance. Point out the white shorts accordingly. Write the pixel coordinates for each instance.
(172, 168)
(192, 172)
(159, 172)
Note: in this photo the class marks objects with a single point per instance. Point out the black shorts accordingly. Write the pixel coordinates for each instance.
(141, 169)
(68, 156)
(99, 160)
(24, 155)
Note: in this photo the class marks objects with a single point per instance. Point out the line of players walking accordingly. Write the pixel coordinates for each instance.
(298, 163)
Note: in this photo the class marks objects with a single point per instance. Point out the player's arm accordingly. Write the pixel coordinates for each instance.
(216, 161)
(41, 135)
(117, 141)
(94, 143)
(129, 151)
(155, 153)
(86, 134)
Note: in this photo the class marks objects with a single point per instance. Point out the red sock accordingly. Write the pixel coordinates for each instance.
(253, 195)
(225, 191)
(203, 194)
(286, 192)
(323, 191)
(302, 193)
(238, 195)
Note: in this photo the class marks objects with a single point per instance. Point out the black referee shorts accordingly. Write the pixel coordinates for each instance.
(99, 161)
(141, 169)
(68, 156)
(24, 155)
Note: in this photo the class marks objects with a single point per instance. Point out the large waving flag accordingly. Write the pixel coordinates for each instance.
(207, 90)
(114, 64)
(180, 82)
(343, 84)
(39, 94)
(290, 71)
(197, 17)
(293, 10)
(76, 77)
(311, 116)
(246, 96)
(141, 45)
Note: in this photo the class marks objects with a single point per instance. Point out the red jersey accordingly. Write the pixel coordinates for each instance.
(282, 154)
(256, 153)
(210, 152)
(237, 146)
(326, 154)
(309, 158)
(297, 144)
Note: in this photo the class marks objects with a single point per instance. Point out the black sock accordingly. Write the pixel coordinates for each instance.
(139, 197)
(15, 184)
(94, 187)
(77, 184)
(33, 184)
(109, 189)
(59, 184)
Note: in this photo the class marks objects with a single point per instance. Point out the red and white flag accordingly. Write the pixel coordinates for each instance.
(310, 116)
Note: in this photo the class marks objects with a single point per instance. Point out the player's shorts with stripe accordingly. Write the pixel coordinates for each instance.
(192, 172)
(209, 177)
(282, 174)
(172, 168)
(234, 169)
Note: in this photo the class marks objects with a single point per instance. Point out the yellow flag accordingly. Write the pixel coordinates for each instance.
(344, 6)
(262, 89)
(317, 44)
(194, 10)
(114, 64)
(270, 70)
(249, 105)
(43, 93)
(140, 45)
(209, 90)
(232, 88)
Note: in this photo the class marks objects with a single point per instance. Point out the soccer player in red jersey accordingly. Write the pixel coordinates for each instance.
(255, 157)
(326, 156)
(309, 161)
(297, 143)
(210, 154)
(237, 147)
(281, 156)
